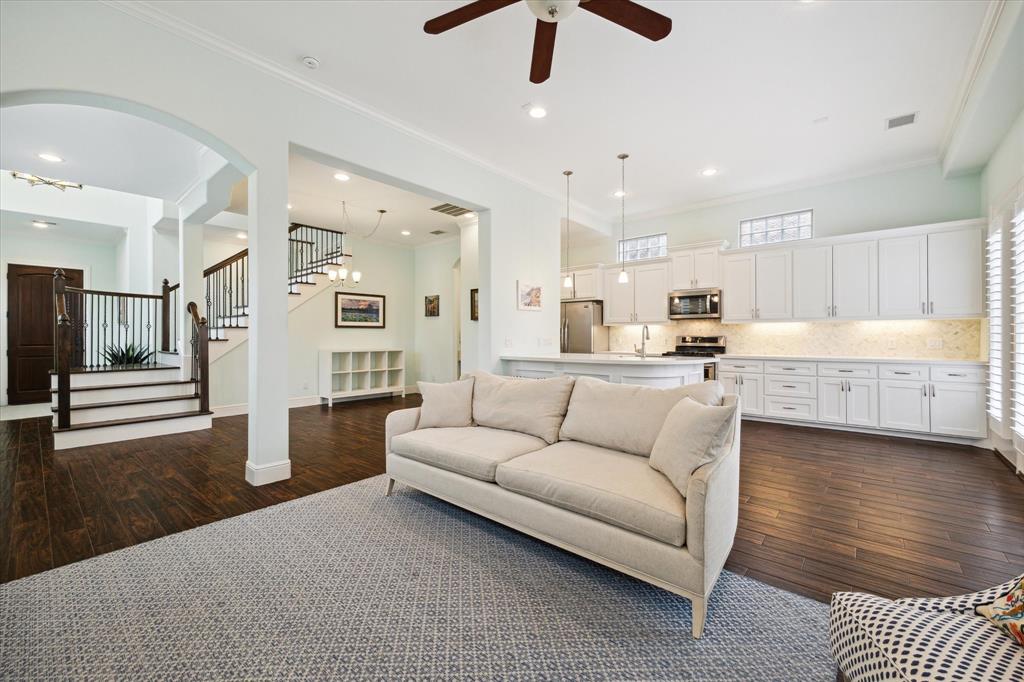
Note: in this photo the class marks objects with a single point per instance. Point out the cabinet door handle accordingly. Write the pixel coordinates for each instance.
(899, 372)
(848, 389)
(789, 369)
(931, 307)
(845, 371)
(952, 374)
(751, 313)
(788, 386)
(924, 390)
(787, 407)
(842, 386)
(922, 308)
(933, 390)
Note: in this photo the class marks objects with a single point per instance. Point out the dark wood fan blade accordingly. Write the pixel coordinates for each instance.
(636, 18)
(543, 51)
(457, 17)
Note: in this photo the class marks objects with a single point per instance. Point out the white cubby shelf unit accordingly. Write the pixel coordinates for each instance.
(357, 373)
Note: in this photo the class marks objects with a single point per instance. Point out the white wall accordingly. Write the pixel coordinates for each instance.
(435, 336)
(97, 260)
(912, 196)
(470, 279)
(216, 250)
(1006, 167)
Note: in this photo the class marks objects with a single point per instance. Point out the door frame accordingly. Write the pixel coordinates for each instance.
(8, 331)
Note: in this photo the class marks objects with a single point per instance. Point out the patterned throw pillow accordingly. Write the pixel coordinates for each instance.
(1007, 611)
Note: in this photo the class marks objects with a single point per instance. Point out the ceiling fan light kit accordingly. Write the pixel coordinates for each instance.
(549, 13)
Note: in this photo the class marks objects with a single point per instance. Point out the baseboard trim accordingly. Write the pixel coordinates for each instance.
(243, 408)
(262, 474)
(983, 443)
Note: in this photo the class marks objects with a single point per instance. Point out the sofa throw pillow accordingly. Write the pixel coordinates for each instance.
(448, 404)
(625, 417)
(1007, 611)
(693, 435)
(533, 406)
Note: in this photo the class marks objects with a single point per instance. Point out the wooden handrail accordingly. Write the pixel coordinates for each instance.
(226, 262)
(193, 310)
(99, 292)
(173, 286)
(201, 359)
(62, 350)
(297, 226)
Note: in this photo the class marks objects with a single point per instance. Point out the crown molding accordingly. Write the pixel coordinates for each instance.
(150, 14)
(972, 70)
(779, 189)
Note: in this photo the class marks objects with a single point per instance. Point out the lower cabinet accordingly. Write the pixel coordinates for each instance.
(943, 408)
(903, 405)
(749, 387)
(853, 402)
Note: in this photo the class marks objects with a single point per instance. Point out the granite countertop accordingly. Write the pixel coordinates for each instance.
(844, 358)
(610, 359)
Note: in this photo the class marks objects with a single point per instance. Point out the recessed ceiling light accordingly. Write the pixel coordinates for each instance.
(538, 112)
(709, 172)
(311, 63)
(618, 194)
(289, 207)
(242, 235)
(406, 233)
(42, 224)
(341, 177)
(52, 158)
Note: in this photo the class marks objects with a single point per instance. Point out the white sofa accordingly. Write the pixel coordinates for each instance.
(602, 503)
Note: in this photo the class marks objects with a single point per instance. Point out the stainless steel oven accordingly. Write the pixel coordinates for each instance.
(695, 303)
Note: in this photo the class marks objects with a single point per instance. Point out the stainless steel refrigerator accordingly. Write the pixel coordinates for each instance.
(582, 328)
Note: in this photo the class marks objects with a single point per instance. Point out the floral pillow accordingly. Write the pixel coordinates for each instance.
(1007, 611)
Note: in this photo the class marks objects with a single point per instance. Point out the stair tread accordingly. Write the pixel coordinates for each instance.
(131, 420)
(119, 368)
(140, 384)
(133, 401)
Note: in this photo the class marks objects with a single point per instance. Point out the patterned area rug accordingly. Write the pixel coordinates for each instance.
(351, 584)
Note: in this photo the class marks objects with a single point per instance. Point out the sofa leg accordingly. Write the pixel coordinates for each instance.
(391, 486)
(699, 607)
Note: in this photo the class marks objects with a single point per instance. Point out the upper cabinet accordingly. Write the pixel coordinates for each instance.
(931, 275)
(642, 300)
(773, 298)
(812, 283)
(855, 280)
(695, 269)
(586, 283)
(738, 293)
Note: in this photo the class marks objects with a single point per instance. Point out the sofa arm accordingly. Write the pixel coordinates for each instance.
(964, 603)
(399, 422)
(712, 503)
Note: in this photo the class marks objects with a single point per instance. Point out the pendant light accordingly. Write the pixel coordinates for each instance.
(567, 282)
(341, 275)
(623, 275)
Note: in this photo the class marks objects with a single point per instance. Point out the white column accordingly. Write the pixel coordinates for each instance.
(190, 274)
(268, 322)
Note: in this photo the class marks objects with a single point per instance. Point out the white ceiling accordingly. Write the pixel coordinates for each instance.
(316, 196)
(100, 148)
(737, 85)
(64, 228)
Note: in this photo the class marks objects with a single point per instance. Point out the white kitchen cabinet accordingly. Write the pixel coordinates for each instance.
(695, 269)
(862, 402)
(958, 409)
(903, 277)
(683, 276)
(750, 388)
(955, 275)
(618, 298)
(738, 294)
(855, 280)
(812, 283)
(903, 405)
(650, 293)
(831, 401)
(773, 274)
(585, 284)
(642, 300)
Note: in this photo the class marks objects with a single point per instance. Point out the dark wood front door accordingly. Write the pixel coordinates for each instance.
(30, 319)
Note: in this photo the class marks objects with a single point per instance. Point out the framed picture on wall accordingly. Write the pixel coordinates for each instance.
(432, 306)
(529, 296)
(474, 305)
(365, 311)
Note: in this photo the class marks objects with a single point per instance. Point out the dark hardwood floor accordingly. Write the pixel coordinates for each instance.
(820, 510)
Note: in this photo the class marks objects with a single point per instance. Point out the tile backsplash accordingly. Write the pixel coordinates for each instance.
(959, 339)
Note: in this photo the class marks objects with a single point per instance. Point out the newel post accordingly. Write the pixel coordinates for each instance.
(165, 317)
(62, 350)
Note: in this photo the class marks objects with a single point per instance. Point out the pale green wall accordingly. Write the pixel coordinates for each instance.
(435, 336)
(913, 196)
(1006, 167)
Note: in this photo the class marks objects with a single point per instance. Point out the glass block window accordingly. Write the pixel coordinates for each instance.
(772, 229)
(641, 248)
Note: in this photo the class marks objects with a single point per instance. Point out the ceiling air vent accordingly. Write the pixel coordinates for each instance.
(899, 121)
(437, 232)
(451, 209)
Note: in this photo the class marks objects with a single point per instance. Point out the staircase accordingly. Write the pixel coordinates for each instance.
(99, 396)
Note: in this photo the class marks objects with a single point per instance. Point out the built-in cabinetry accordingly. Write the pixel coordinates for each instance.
(759, 286)
(586, 283)
(695, 268)
(642, 300)
(939, 398)
(933, 275)
(358, 373)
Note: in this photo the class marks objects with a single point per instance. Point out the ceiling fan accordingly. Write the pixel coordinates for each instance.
(625, 13)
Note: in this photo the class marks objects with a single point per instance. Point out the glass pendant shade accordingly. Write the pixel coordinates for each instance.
(567, 282)
(623, 277)
(343, 274)
(332, 275)
(356, 276)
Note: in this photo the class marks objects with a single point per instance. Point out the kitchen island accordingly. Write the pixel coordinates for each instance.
(616, 368)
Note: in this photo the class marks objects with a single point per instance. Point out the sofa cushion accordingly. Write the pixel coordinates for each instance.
(610, 486)
(693, 435)
(469, 450)
(449, 404)
(627, 417)
(533, 406)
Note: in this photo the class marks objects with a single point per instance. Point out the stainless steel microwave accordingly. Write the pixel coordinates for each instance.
(694, 303)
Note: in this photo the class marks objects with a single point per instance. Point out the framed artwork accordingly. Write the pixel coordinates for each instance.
(530, 296)
(474, 305)
(432, 305)
(359, 310)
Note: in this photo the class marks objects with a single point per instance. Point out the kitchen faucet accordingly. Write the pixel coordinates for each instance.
(645, 336)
